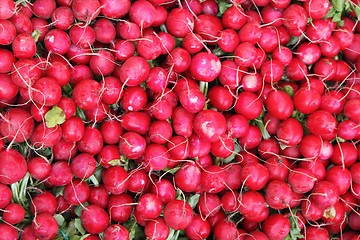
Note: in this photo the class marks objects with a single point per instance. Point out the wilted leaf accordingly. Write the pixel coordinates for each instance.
(54, 116)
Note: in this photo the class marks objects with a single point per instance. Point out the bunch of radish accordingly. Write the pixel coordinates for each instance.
(179, 119)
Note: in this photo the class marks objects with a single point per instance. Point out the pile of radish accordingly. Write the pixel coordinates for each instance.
(179, 119)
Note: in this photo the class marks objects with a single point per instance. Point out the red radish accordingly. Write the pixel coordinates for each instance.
(187, 178)
(178, 214)
(24, 73)
(46, 91)
(7, 60)
(325, 194)
(332, 102)
(116, 231)
(296, 70)
(215, 127)
(62, 17)
(64, 151)
(60, 72)
(279, 104)
(164, 190)
(249, 105)
(230, 202)
(231, 74)
(5, 195)
(157, 229)
(132, 145)
(82, 35)
(193, 43)
(9, 232)
(39, 167)
(114, 8)
(113, 130)
(44, 226)
(138, 122)
(22, 23)
(41, 28)
(278, 168)
(180, 22)
(252, 204)
(24, 46)
(16, 125)
(198, 229)
(7, 9)
(86, 11)
(98, 196)
(225, 230)
(209, 205)
(290, 132)
(128, 30)
(254, 176)
(44, 8)
(77, 192)
(182, 121)
(149, 47)
(213, 179)
(309, 53)
(115, 180)
(269, 39)
(311, 146)
(278, 194)
(120, 207)
(205, 66)
(316, 232)
(83, 165)
(102, 63)
(13, 166)
(86, 94)
(13, 213)
(161, 109)
(156, 157)
(149, 206)
(351, 110)
(142, 13)
(178, 147)
(134, 71)
(57, 41)
(344, 154)
(160, 132)
(44, 202)
(301, 180)
(46, 137)
(276, 226)
(94, 219)
(60, 174)
(105, 31)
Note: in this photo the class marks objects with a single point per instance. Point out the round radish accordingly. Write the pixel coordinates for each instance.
(44, 226)
(13, 166)
(178, 214)
(94, 219)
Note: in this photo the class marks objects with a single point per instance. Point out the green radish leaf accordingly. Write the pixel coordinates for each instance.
(60, 220)
(79, 227)
(237, 149)
(172, 170)
(223, 6)
(85, 236)
(357, 11)
(337, 17)
(54, 117)
(36, 34)
(193, 200)
(338, 5)
(330, 13)
(115, 162)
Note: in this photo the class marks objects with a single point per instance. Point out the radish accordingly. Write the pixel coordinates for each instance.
(114, 8)
(16, 125)
(142, 13)
(102, 63)
(116, 231)
(115, 180)
(276, 226)
(9, 232)
(60, 174)
(86, 11)
(44, 226)
(77, 192)
(205, 66)
(13, 166)
(178, 214)
(198, 229)
(254, 176)
(40, 27)
(278, 194)
(13, 213)
(94, 219)
(187, 178)
(46, 91)
(98, 196)
(44, 202)
(252, 205)
(290, 132)
(44, 136)
(120, 207)
(149, 206)
(156, 229)
(230, 201)
(180, 22)
(198, 147)
(248, 105)
(7, 9)
(279, 104)
(57, 41)
(63, 18)
(325, 194)
(225, 230)
(7, 60)
(301, 180)
(5, 196)
(22, 23)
